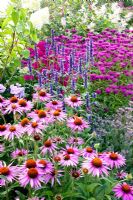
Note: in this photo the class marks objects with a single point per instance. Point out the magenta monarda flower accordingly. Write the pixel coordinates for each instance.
(54, 105)
(77, 124)
(123, 191)
(19, 153)
(95, 166)
(42, 95)
(58, 115)
(48, 147)
(69, 160)
(32, 176)
(73, 101)
(114, 160)
(9, 172)
(12, 132)
(88, 152)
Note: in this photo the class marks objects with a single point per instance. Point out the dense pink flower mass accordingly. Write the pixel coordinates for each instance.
(110, 60)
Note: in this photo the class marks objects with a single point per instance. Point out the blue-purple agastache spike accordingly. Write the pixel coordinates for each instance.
(29, 66)
(36, 53)
(40, 79)
(91, 51)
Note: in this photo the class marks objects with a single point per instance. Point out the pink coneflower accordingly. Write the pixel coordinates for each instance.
(32, 176)
(73, 101)
(88, 152)
(46, 166)
(24, 124)
(25, 105)
(35, 127)
(14, 108)
(48, 146)
(12, 100)
(2, 100)
(114, 160)
(19, 153)
(30, 163)
(121, 175)
(123, 191)
(53, 176)
(9, 172)
(75, 141)
(77, 124)
(3, 129)
(42, 95)
(12, 132)
(2, 148)
(96, 166)
(69, 160)
(41, 116)
(54, 105)
(71, 150)
(58, 115)
(57, 140)
(76, 174)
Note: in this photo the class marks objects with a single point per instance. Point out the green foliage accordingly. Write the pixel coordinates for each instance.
(16, 31)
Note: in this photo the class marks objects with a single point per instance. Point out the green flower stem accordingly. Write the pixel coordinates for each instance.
(2, 116)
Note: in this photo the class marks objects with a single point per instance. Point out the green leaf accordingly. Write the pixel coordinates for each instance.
(92, 186)
(15, 17)
(26, 53)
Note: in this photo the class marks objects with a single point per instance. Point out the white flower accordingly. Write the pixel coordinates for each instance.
(24, 70)
(40, 17)
(3, 7)
(2, 88)
(31, 4)
(63, 21)
(91, 26)
(17, 90)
